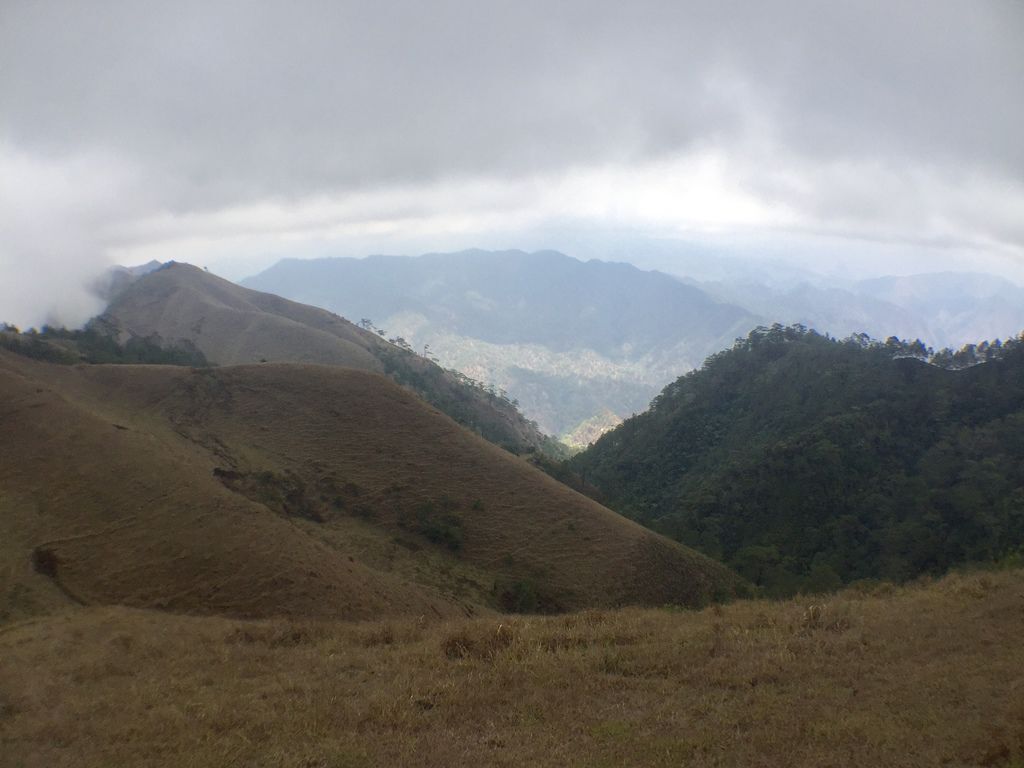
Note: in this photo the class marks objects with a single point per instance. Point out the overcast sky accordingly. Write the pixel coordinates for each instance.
(232, 134)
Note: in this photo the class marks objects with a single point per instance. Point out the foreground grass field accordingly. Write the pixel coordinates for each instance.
(926, 675)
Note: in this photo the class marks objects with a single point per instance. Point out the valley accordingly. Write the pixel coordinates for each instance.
(568, 339)
(217, 505)
(468, 385)
(580, 343)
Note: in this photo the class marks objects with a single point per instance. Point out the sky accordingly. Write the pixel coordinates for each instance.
(852, 138)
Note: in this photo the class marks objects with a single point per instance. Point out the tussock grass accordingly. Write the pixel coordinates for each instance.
(924, 675)
(270, 490)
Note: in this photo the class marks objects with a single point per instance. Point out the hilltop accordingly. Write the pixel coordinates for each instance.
(296, 490)
(805, 462)
(182, 306)
(571, 340)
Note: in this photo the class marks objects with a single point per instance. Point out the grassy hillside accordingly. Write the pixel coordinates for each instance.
(922, 676)
(181, 306)
(806, 462)
(298, 490)
(102, 501)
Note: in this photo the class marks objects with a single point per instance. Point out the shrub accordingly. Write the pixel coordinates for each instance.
(519, 597)
(441, 526)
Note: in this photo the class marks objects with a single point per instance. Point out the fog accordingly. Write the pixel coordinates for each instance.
(232, 134)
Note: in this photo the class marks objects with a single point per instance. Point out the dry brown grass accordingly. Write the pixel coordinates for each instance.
(118, 473)
(231, 324)
(127, 510)
(921, 676)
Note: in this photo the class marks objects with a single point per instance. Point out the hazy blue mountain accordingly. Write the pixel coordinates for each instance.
(947, 309)
(956, 307)
(569, 339)
(584, 344)
(838, 311)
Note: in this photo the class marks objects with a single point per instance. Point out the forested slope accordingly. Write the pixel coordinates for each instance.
(805, 462)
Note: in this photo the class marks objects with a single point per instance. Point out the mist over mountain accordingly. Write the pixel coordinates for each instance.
(568, 339)
(828, 308)
(582, 345)
(333, 516)
(942, 309)
(956, 307)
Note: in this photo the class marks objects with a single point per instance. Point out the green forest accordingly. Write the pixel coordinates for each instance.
(806, 462)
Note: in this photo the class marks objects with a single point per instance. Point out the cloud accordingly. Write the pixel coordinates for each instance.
(53, 217)
(881, 119)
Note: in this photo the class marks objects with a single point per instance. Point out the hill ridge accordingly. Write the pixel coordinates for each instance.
(807, 462)
(229, 324)
(338, 492)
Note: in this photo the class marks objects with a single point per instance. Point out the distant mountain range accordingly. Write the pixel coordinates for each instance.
(570, 340)
(944, 309)
(582, 345)
(326, 547)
